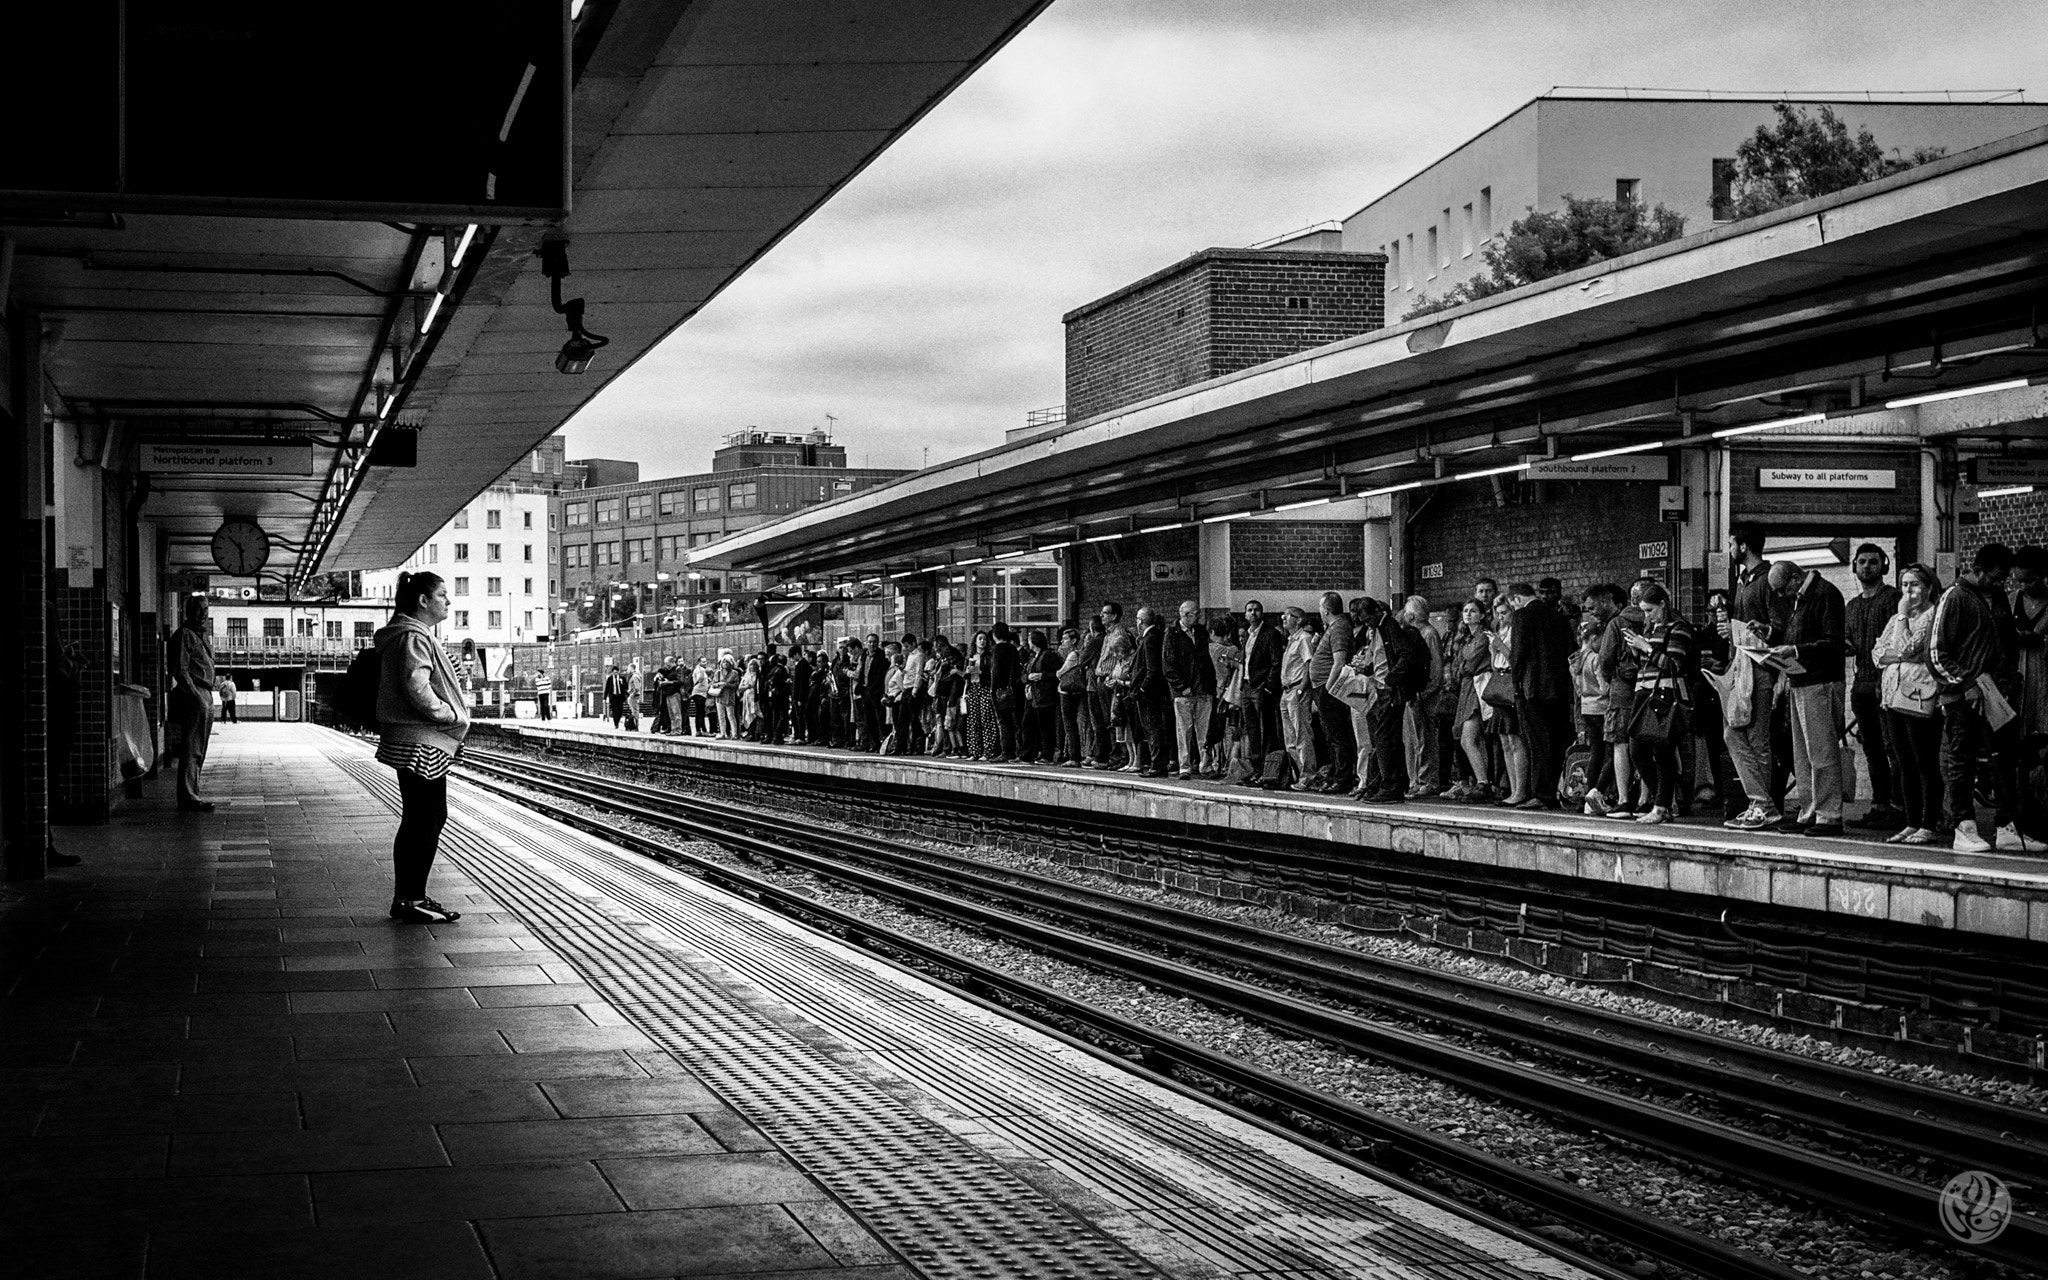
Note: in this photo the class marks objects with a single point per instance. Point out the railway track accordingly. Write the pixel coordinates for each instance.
(1887, 987)
(1304, 988)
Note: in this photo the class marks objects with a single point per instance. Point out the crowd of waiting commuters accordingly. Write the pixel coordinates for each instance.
(1610, 703)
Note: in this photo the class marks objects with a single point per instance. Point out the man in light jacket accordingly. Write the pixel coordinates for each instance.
(191, 702)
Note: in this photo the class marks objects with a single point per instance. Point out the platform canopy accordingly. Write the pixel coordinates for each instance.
(1931, 281)
(701, 132)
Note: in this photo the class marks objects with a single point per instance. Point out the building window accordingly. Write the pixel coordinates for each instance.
(497, 618)
(528, 616)
(494, 551)
(1465, 245)
(639, 550)
(607, 553)
(1394, 264)
(462, 619)
(273, 631)
(494, 519)
(639, 506)
(526, 585)
(1408, 262)
(462, 552)
(577, 557)
(1486, 212)
(462, 586)
(840, 488)
(607, 510)
(462, 518)
(575, 513)
(433, 553)
(1724, 190)
(551, 586)
(1297, 303)
(743, 496)
(672, 502)
(1445, 223)
(551, 522)
(526, 519)
(669, 550)
(1432, 252)
(702, 539)
(365, 631)
(302, 628)
(739, 582)
(704, 500)
(334, 631)
(238, 632)
(494, 586)
(1628, 190)
(528, 557)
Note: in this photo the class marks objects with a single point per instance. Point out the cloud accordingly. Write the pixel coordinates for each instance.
(921, 306)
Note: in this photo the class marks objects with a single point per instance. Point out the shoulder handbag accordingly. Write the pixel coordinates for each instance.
(1496, 688)
(1655, 718)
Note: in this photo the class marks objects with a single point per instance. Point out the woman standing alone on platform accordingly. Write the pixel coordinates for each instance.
(422, 719)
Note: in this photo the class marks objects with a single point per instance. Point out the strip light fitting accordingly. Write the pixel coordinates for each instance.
(1772, 425)
(1957, 393)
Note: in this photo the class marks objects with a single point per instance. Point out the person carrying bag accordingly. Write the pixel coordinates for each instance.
(1657, 723)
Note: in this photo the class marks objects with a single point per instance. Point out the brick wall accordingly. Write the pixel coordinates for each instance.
(1297, 556)
(1215, 313)
(1581, 533)
(2018, 521)
(1122, 571)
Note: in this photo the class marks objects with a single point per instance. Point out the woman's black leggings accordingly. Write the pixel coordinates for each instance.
(419, 833)
(1917, 742)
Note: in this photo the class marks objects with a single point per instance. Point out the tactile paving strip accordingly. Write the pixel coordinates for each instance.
(926, 1114)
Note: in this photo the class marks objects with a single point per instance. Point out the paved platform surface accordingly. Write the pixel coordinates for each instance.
(218, 1057)
(1998, 894)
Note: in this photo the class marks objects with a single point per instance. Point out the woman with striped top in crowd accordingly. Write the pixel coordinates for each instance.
(422, 718)
(1667, 657)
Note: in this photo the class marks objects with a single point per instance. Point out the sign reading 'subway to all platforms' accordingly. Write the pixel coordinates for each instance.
(226, 458)
(1826, 478)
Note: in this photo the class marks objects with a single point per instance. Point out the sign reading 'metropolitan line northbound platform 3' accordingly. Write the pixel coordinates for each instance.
(224, 458)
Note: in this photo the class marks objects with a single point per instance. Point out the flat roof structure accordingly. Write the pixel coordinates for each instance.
(701, 135)
(1925, 281)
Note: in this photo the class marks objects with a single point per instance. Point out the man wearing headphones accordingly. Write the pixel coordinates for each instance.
(1864, 619)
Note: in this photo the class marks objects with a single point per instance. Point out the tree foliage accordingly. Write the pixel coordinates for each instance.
(1538, 246)
(1804, 156)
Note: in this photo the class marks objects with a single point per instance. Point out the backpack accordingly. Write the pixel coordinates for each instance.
(358, 708)
(1277, 773)
(1407, 661)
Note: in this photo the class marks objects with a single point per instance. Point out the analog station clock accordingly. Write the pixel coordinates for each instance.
(240, 548)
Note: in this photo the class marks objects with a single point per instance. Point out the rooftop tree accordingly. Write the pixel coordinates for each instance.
(1538, 246)
(1804, 156)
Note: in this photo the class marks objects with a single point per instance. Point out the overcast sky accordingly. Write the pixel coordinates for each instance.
(921, 306)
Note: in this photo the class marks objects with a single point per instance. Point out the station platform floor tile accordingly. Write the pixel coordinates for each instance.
(219, 1057)
(1993, 893)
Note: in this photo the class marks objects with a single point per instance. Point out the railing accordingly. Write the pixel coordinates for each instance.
(284, 650)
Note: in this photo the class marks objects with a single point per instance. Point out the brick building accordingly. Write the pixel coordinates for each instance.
(623, 546)
(1212, 314)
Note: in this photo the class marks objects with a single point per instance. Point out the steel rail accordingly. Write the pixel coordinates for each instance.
(1657, 922)
(1923, 1122)
(1840, 1184)
(1390, 1145)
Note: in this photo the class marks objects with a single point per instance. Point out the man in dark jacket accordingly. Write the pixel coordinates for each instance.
(1540, 659)
(802, 684)
(1006, 685)
(1811, 653)
(616, 689)
(1865, 616)
(1264, 646)
(1753, 747)
(1154, 698)
(1975, 643)
(1191, 680)
(870, 679)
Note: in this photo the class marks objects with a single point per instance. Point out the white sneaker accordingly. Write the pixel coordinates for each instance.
(2011, 840)
(1596, 805)
(1968, 841)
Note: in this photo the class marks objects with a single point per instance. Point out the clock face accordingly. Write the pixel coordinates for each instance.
(241, 548)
